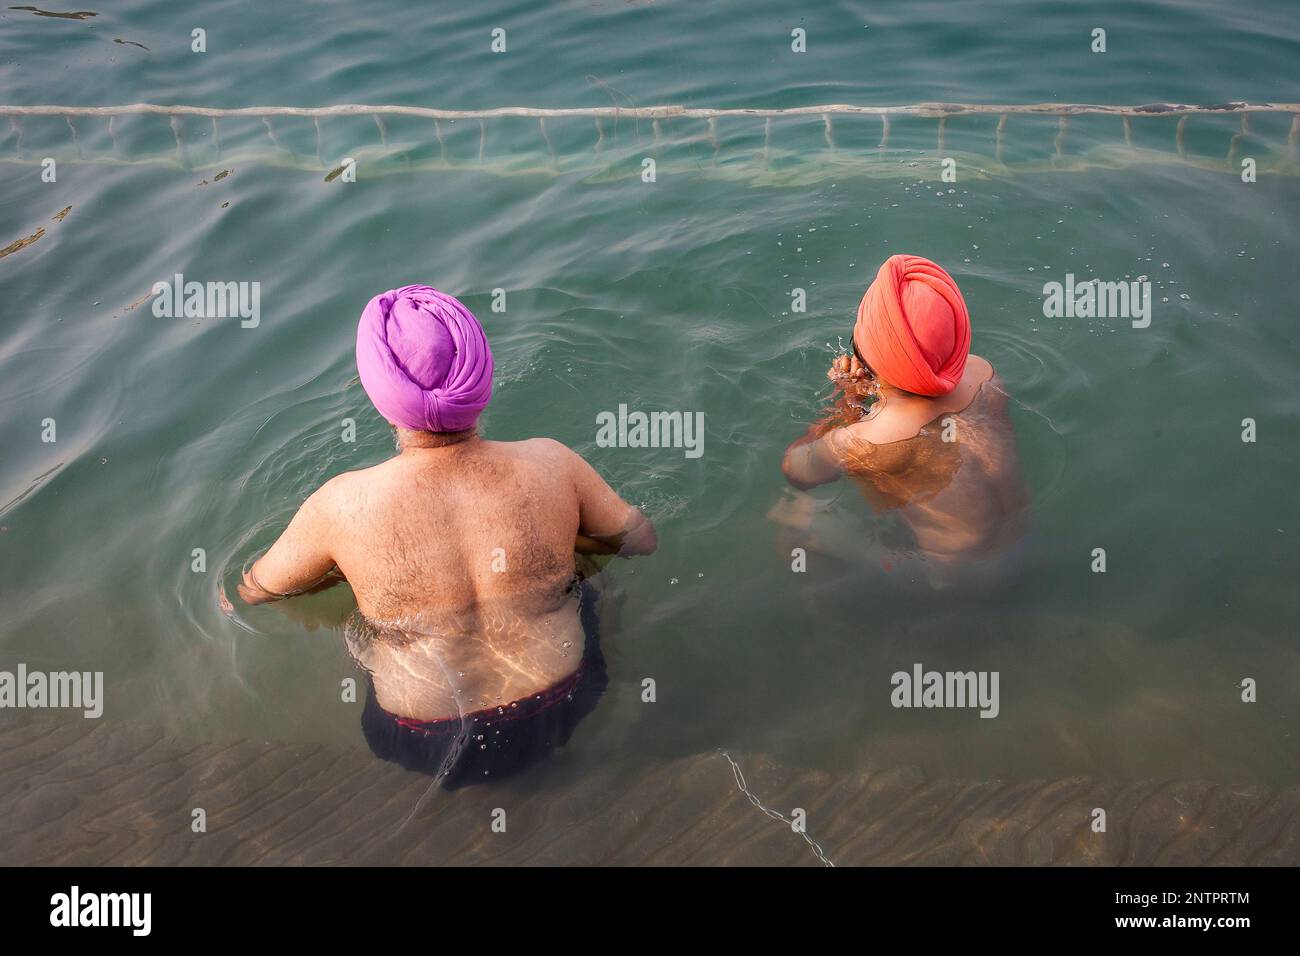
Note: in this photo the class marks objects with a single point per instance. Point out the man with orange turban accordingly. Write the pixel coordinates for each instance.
(919, 422)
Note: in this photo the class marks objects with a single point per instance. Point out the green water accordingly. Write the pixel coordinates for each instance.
(177, 434)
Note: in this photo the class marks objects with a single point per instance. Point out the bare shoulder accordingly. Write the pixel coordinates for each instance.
(344, 489)
(561, 460)
(855, 447)
(546, 446)
(543, 451)
(979, 371)
(995, 379)
(985, 374)
(981, 368)
(543, 455)
(894, 420)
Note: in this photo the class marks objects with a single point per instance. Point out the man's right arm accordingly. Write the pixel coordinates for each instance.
(810, 461)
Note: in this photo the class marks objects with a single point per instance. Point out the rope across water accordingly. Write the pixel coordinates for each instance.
(657, 115)
(656, 112)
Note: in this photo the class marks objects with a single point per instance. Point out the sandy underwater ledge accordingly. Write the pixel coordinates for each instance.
(123, 795)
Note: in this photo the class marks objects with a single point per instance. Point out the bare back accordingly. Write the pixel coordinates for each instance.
(950, 466)
(445, 531)
(462, 562)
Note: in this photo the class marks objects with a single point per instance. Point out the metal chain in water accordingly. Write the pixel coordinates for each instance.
(774, 814)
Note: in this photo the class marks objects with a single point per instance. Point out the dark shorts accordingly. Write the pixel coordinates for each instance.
(492, 744)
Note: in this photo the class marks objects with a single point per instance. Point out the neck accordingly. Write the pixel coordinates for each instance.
(410, 440)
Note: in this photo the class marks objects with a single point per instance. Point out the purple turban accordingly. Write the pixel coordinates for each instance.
(424, 360)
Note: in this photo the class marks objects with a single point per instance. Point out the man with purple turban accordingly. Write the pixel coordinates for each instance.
(476, 634)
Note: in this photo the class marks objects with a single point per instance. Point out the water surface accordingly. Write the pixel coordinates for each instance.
(177, 434)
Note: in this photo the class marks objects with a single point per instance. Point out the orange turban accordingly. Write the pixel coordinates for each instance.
(913, 328)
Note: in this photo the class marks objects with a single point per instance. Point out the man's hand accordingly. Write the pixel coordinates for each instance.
(847, 366)
(584, 544)
(852, 376)
(254, 593)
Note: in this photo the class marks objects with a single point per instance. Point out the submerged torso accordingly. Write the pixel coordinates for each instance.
(461, 559)
(955, 480)
(443, 664)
